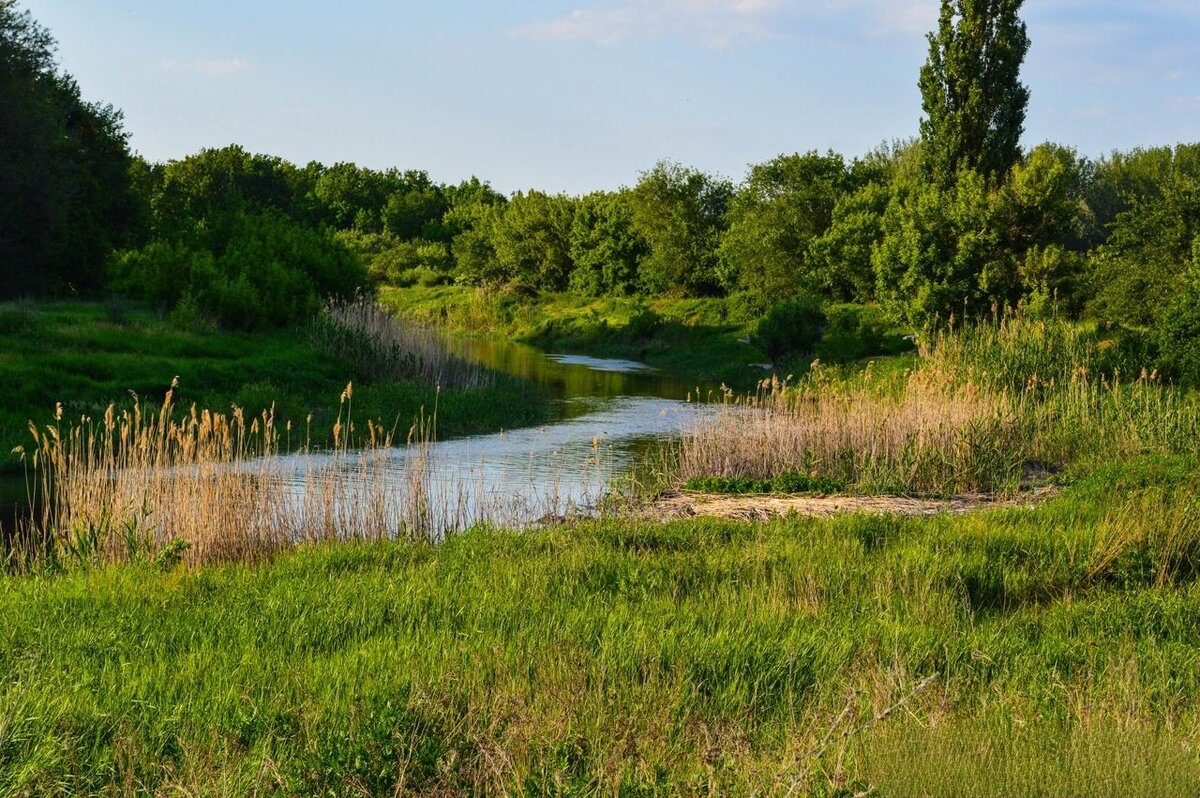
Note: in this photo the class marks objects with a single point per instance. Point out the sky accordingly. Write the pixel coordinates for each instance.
(585, 94)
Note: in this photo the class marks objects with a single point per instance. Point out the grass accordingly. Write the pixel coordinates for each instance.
(87, 355)
(1051, 650)
(630, 657)
(961, 421)
(704, 339)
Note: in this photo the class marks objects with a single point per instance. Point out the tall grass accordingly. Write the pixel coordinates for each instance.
(624, 657)
(926, 437)
(984, 406)
(380, 347)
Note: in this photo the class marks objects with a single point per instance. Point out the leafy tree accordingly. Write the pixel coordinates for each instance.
(841, 257)
(1139, 272)
(65, 191)
(532, 240)
(1178, 329)
(971, 92)
(680, 212)
(199, 199)
(942, 252)
(785, 205)
(605, 246)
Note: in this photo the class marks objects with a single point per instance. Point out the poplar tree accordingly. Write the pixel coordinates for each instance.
(971, 91)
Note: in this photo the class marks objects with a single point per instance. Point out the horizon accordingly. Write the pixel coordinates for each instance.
(583, 96)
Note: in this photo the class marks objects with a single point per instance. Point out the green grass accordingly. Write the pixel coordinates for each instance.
(625, 657)
(699, 338)
(86, 355)
(789, 483)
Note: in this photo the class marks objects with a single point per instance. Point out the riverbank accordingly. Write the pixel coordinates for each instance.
(87, 355)
(1020, 652)
(701, 339)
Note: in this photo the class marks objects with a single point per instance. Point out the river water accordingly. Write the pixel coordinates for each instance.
(605, 414)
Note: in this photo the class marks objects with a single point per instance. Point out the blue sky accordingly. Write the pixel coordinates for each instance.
(585, 94)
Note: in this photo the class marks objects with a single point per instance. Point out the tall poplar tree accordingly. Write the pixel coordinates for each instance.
(971, 90)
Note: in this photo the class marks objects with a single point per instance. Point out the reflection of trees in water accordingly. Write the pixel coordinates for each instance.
(566, 380)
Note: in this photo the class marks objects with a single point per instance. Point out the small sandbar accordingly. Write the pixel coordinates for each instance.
(763, 508)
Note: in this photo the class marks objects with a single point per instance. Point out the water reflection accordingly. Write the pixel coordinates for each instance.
(574, 378)
(610, 411)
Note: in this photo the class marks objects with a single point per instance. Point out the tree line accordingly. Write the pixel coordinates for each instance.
(955, 223)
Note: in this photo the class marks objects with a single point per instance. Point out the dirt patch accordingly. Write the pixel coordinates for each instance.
(687, 504)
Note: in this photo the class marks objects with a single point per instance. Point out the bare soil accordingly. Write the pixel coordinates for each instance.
(687, 504)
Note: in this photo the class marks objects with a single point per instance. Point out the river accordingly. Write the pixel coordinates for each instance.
(605, 414)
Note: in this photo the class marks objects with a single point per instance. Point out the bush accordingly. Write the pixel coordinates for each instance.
(272, 273)
(1178, 334)
(852, 332)
(791, 328)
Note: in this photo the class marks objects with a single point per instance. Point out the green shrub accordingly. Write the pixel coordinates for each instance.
(1178, 334)
(853, 332)
(272, 273)
(791, 328)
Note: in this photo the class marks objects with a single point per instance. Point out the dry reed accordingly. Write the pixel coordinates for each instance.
(926, 436)
(380, 347)
(206, 485)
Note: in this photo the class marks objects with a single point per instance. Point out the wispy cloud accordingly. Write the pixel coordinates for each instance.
(213, 68)
(726, 23)
(713, 23)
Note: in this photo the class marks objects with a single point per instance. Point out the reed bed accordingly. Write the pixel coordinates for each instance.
(207, 487)
(985, 408)
(927, 437)
(381, 347)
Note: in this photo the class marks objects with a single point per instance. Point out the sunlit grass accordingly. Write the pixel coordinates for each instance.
(623, 656)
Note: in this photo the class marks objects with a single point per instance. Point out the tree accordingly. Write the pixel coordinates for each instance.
(971, 92)
(65, 191)
(942, 252)
(785, 205)
(605, 247)
(532, 240)
(681, 214)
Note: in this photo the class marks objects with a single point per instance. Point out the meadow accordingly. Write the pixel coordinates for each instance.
(1042, 650)
(1035, 652)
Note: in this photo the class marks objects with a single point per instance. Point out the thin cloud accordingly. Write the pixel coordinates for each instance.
(713, 23)
(213, 68)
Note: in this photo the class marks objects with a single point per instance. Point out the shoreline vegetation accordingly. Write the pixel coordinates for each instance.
(82, 356)
(863, 652)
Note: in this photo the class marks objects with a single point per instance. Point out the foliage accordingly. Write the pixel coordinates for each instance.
(841, 256)
(681, 213)
(790, 329)
(272, 272)
(1178, 328)
(971, 92)
(1140, 270)
(783, 207)
(66, 197)
(532, 240)
(606, 248)
(942, 253)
